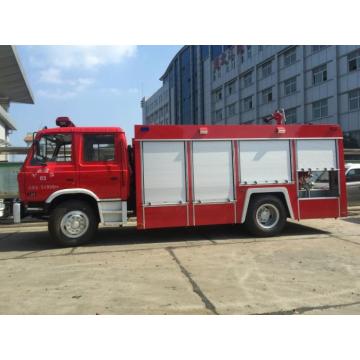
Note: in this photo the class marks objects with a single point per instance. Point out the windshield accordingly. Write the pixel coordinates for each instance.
(53, 148)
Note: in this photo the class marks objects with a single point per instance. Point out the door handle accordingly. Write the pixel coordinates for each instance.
(69, 179)
(114, 178)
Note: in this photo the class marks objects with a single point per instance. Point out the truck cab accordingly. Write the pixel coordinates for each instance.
(70, 167)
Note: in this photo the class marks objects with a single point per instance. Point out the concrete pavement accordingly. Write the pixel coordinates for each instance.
(313, 268)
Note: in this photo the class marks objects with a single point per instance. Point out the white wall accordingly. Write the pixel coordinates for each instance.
(3, 137)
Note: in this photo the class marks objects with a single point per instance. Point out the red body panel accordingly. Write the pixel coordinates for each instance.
(172, 216)
(219, 213)
(192, 132)
(319, 208)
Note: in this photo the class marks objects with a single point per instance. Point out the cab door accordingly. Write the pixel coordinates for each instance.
(51, 168)
(100, 164)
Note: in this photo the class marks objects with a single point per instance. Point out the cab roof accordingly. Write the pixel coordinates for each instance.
(82, 129)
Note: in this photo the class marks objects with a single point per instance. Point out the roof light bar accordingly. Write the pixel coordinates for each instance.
(64, 121)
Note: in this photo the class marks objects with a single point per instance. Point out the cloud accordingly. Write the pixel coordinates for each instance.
(57, 65)
(81, 83)
(112, 91)
(83, 57)
(56, 94)
(51, 76)
(67, 89)
(118, 92)
(133, 91)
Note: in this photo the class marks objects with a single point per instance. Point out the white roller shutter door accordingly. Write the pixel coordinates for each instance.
(213, 171)
(316, 154)
(164, 172)
(264, 161)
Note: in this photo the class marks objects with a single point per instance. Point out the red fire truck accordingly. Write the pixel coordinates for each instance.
(175, 176)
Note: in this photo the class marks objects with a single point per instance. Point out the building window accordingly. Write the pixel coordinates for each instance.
(290, 56)
(354, 99)
(291, 115)
(320, 109)
(230, 88)
(267, 95)
(232, 62)
(316, 48)
(249, 54)
(319, 74)
(248, 79)
(290, 86)
(227, 66)
(217, 95)
(231, 110)
(218, 115)
(354, 60)
(260, 48)
(248, 103)
(99, 147)
(266, 69)
(216, 74)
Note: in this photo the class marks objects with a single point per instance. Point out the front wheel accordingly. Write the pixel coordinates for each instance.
(72, 223)
(266, 216)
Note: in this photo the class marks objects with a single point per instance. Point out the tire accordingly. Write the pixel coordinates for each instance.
(73, 223)
(266, 216)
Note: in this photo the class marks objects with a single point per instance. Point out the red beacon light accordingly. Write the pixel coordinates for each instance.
(64, 121)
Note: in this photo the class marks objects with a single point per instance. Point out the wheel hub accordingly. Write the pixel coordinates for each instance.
(267, 216)
(74, 223)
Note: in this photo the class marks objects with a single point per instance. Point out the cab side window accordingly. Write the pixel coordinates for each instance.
(353, 175)
(99, 147)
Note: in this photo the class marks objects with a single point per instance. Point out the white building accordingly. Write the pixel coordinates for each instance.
(13, 88)
(236, 84)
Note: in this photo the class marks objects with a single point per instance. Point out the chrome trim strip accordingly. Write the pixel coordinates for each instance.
(319, 198)
(163, 205)
(71, 191)
(215, 202)
(235, 213)
(222, 139)
(143, 211)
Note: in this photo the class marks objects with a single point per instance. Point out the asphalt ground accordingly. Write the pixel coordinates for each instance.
(312, 268)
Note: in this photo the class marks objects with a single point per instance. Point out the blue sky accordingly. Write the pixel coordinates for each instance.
(94, 86)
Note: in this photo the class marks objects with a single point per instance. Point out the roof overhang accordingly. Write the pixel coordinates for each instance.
(6, 119)
(13, 83)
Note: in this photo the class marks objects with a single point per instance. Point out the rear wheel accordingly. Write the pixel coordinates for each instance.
(73, 223)
(266, 216)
